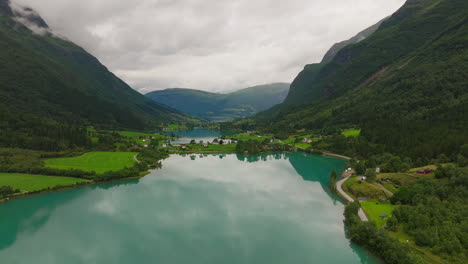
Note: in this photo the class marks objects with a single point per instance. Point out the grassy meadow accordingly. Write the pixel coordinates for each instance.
(374, 210)
(352, 132)
(357, 188)
(247, 137)
(29, 182)
(94, 161)
(132, 134)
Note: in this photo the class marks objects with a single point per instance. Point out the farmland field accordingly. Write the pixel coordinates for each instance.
(352, 132)
(28, 182)
(374, 210)
(247, 137)
(94, 161)
(132, 134)
(357, 188)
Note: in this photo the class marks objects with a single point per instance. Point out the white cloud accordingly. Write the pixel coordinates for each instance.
(209, 44)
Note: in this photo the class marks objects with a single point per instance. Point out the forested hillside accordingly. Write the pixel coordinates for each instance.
(405, 85)
(54, 79)
(223, 107)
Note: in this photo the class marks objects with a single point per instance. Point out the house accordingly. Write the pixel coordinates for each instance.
(424, 171)
(306, 140)
(164, 145)
(146, 145)
(363, 178)
(377, 169)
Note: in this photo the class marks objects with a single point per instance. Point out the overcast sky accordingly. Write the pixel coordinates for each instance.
(212, 45)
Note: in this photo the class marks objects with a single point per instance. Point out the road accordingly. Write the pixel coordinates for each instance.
(361, 213)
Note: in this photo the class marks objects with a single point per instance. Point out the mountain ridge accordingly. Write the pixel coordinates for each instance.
(222, 107)
(59, 80)
(403, 85)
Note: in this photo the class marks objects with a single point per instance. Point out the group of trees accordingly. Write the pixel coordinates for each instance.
(30, 132)
(435, 212)
(390, 162)
(251, 147)
(376, 240)
(6, 191)
(332, 183)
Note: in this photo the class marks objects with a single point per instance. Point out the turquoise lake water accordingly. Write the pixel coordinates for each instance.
(196, 209)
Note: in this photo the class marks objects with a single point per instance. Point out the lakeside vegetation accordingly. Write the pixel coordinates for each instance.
(98, 162)
(426, 212)
(31, 183)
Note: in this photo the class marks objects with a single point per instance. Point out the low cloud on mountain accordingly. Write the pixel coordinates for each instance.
(208, 44)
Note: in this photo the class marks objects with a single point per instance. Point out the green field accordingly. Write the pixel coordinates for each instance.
(28, 182)
(132, 134)
(352, 132)
(373, 210)
(357, 188)
(95, 161)
(176, 127)
(247, 137)
(302, 145)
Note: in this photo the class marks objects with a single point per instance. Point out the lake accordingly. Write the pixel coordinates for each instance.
(225, 208)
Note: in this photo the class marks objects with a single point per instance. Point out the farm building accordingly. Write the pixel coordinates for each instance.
(424, 171)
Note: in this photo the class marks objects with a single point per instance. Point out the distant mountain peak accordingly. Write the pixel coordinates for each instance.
(222, 106)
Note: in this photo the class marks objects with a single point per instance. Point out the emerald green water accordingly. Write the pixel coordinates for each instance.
(196, 209)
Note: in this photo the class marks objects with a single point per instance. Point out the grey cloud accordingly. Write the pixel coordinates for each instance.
(209, 44)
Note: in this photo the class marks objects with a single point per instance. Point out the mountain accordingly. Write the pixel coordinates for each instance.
(223, 107)
(405, 85)
(52, 78)
(307, 76)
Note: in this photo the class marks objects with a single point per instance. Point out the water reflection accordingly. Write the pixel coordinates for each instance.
(29, 214)
(196, 209)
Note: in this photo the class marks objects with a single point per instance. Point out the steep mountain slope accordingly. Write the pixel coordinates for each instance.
(47, 76)
(223, 107)
(307, 76)
(405, 85)
(331, 53)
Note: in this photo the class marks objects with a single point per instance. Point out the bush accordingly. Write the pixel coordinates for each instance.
(7, 190)
(371, 175)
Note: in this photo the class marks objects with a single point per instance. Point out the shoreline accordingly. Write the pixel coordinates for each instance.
(67, 187)
(143, 174)
(338, 156)
(348, 198)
